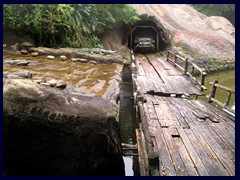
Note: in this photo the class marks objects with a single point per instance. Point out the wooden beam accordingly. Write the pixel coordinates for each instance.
(143, 164)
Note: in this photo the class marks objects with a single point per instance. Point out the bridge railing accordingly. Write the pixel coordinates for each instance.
(188, 68)
(211, 96)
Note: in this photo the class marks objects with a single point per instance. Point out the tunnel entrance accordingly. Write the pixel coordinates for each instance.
(144, 39)
(148, 36)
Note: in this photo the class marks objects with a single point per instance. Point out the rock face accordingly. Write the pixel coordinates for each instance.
(50, 132)
(200, 35)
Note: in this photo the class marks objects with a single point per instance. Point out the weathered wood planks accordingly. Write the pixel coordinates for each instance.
(185, 145)
(157, 76)
(190, 137)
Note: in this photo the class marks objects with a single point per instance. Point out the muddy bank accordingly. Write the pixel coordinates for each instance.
(51, 132)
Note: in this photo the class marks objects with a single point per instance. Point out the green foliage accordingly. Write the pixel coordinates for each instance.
(183, 52)
(74, 25)
(126, 56)
(226, 10)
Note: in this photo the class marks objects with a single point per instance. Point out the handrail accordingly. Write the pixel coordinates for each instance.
(211, 96)
(184, 69)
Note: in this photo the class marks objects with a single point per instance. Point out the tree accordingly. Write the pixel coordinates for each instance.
(225, 10)
(74, 25)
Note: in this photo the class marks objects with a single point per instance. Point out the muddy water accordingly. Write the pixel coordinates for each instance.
(83, 78)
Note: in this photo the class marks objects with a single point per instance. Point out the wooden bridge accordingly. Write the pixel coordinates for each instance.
(178, 136)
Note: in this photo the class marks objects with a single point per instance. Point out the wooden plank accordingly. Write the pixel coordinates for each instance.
(140, 69)
(218, 112)
(151, 110)
(216, 109)
(186, 158)
(221, 171)
(180, 116)
(175, 156)
(228, 136)
(224, 131)
(161, 71)
(142, 159)
(142, 80)
(160, 115)
(164, 113)
(173, 132)
(202, 150)
(166, 166)
(224, 154)
(192, 152)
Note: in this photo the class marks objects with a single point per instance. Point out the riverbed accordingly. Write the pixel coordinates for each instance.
(83, 78)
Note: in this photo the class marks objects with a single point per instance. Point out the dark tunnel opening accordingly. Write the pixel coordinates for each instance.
(147, 36)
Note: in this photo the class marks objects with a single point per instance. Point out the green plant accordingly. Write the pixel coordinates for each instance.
(61, 25)
(126, 56)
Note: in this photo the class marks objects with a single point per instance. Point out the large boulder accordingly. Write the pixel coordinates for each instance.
(51, 132)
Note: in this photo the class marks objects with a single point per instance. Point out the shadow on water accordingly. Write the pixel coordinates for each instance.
(127, 120)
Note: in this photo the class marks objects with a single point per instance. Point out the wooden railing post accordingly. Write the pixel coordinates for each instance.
(193, 70)
(168, 54)
(228, 99)
(175, 59)
(203, 75)
(186, 66)
(213, 91)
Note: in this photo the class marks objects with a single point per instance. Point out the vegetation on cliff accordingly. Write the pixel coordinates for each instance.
(61, 25)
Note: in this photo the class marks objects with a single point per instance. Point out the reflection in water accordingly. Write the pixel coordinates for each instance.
(128, 161)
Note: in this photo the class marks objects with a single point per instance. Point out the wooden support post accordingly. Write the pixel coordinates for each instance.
(193, 69)
(228, 99)
(213, 91)
(186, 66)
(203, 75)
(168, 55)
(175, 59)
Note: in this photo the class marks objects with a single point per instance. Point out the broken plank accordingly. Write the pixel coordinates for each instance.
(166, 166)
(175, 156)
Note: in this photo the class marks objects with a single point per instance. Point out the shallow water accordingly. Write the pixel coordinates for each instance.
(84, 78)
